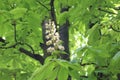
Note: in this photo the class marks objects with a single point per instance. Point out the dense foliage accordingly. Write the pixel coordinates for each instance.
(94, 40)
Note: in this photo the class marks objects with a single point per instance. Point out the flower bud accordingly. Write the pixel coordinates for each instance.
(59, 42)
(47, 37)
(53, 30)
(47, 31)
(46, 25)
(50, 49)
(49, 42)
(57, 34)
(55, 46)
(53, 25)
(54, 38)
(61, 47)
(50, 21)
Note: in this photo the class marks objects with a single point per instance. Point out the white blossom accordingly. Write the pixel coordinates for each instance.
(50, 49)
(61, 47)
(53, 36)
(49, 42)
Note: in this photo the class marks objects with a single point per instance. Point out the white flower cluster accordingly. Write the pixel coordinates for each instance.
(53, 37)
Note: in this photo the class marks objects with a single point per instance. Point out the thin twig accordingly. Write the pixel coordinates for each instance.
(11, 46)
(15, 35)
(34, 56)
(100, 9)
(52, 12)
(84, 64)
(117, 8)
(18, 43)
(43, 5)
(114, 29)
(29, 47)
(83, 76)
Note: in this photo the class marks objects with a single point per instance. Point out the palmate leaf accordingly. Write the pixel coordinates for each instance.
(68, 68)
(30, 14)
(99, 54)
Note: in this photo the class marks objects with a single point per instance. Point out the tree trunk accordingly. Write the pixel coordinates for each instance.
(64, 36)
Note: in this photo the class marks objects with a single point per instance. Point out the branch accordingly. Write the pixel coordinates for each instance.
(63, 9)
(83, 76)
(34, 56)
(52, 12)
(42, 45)
(2, 40)
(100, 9)
(29, 47)
(11, 46)
(114, 29)
(14, 25)
(84, 64)
(117, 8)
(43, 5)
(98, 67)
(14, 45)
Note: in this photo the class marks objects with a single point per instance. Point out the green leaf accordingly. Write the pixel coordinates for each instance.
(67, 64)
(55, 72)
(62, 17)
(62, 63)
(43, 72)
(114, 64)
(18, 12)
(94, 34)
(33, 20)
(63, 73)
(74, 74)
(80, 51)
